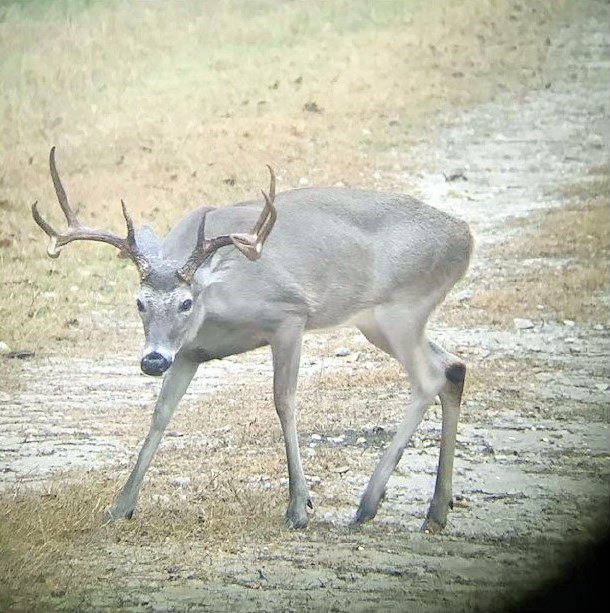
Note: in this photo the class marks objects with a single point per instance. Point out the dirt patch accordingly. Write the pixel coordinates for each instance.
(532, 468)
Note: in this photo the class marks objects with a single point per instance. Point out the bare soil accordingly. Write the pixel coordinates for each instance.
(532, 473)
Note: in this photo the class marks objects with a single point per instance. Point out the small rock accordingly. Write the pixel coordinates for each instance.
(602, 387)
(316, 437)
(342, 469)
(182, 482)
(312, 107)
(458, 174)
(523, 324)
(595, 141)
(342, 352)
(303, 181)
(569, 323)
(54, 587)
(4, 348)
(360, 440)
(19, 354)
(464, 295)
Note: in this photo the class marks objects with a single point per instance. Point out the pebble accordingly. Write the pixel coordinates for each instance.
(464, 295)
(523, 324)
(342, 352)
(182, 482)
(457, 174)
(4, 348)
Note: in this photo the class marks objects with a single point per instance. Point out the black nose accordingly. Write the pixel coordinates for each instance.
(154, 364)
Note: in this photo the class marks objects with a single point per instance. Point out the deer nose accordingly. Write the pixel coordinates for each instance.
(155, 364)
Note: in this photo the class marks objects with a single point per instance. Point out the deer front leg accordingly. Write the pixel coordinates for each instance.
(176, 382)
(286, 351)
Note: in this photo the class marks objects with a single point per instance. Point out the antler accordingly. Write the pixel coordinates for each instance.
(76, 231)
(251, 245)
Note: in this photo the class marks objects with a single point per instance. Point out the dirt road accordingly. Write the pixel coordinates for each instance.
(532, 463)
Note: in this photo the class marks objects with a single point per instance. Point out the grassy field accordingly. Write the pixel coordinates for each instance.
(170, 105)
(559, 266)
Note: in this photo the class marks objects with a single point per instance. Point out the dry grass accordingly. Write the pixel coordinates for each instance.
(46, 539)
(559, 268)
(173, 105)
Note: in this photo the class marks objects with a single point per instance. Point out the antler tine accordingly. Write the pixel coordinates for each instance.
(251, 245)
(270, 217)
(203, 249)
(131, 250)
(269, 209)
(52, 250)
(61, 192)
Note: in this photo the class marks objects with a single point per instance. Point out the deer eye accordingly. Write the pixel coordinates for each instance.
(186, 305)
(140, 305)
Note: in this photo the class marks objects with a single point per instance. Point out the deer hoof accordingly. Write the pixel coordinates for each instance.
(431, 526)
(366, 510)
(294, 523)
(295, 520)
(113, 514)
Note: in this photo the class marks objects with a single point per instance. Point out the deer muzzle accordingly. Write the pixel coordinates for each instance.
(155, 364)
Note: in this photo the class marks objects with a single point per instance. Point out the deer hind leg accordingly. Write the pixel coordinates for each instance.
(433, 372)
(286, 351)
(175, 384)
(451, 399)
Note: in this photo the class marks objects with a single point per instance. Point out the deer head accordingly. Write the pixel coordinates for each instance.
(169, 291)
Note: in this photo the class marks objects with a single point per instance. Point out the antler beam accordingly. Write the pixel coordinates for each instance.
(77, 231)
(251, 245)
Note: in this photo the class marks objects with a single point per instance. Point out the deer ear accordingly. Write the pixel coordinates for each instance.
(147, 242)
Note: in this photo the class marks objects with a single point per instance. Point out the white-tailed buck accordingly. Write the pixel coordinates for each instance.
(378, 261)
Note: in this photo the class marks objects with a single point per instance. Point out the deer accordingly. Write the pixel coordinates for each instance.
(334, 256)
